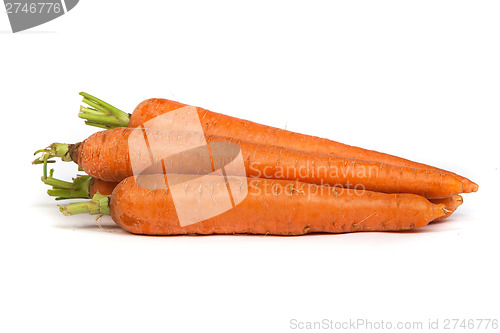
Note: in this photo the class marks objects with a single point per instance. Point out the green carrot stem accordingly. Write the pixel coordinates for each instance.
(97, 107)
(118, 113)
(100, 118)
(57, 183)
(84, 109)
(102, 114)
(100, 125)
(98, 205)
(60, 150)
(68, 194)
(75, 208)
(45, 159)
(79, 188)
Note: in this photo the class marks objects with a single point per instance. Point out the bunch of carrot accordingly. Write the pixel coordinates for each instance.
(169, 169)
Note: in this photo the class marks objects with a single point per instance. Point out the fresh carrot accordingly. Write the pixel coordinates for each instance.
(104, 115)
(270, 207)
(100, 186)
(451, 205)
(85, 187)
(107, 155)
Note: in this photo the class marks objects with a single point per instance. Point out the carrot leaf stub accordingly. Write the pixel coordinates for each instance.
(101, 114)
(60, 150)
(61, 189)
(98, 205)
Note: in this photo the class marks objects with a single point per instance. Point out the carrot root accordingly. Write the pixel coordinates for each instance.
(271, 207)
(105, 155)
(241, 130)
(451, 205)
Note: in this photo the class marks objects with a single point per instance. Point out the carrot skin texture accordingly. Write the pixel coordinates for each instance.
(103, 187)
(222, 125)
(451, 205)
(105, 155)
(293, 209)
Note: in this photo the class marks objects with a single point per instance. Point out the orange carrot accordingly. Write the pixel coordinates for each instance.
(270, 207)
(107, 155)
(451, 205)
(221, 125)
(106, 188)
(96, 185)
(100, 186)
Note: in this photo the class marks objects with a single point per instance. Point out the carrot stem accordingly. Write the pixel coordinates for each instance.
(60, 150)
(63, 194)
(90, 123)
(57, 183)
(79, 188)
(99, 118)
(61, 189)
(101, 114)
(98, 205)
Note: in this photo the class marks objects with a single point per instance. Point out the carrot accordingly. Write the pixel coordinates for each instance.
(82, 187)
(104, 115)
(100, 186)
(85, 187)
(270, 207)
(451, 205)
(107, 155)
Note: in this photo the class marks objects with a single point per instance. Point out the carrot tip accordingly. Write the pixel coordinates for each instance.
(469, 186)
(459, 199)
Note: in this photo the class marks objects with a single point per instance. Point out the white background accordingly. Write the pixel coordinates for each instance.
(419, 79)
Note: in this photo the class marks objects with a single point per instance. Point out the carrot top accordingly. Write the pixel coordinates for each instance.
(98, 205)
(101, 114)
(77, 189)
